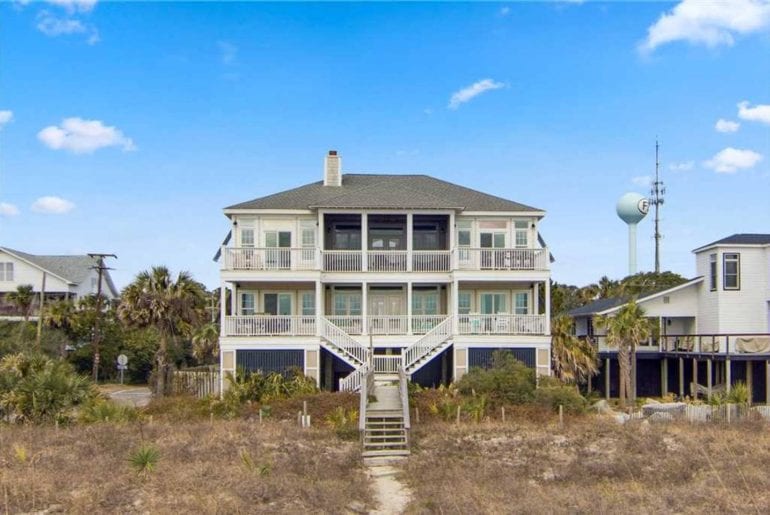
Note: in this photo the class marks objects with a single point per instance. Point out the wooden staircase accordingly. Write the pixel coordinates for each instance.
(385, 420)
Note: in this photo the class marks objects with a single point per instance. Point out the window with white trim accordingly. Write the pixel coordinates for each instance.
(731, 279)
(247, 237)
(425, 302)
(308, 303)
(464, 302)
(247, 304)
(521, 234)
(521, 303)
(6, 271)
(347, 303)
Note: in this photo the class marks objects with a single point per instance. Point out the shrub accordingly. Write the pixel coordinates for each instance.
(38, 389)
(343, 422)
(739, 393)
(103, 410)
(144, 459)
(256, 387)
(552, 393)
(508, 380)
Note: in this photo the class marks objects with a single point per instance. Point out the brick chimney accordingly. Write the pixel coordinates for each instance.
(332, 169)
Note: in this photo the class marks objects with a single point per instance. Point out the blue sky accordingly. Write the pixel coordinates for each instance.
(127, 127)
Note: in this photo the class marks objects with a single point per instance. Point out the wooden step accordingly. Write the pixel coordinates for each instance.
(376, 453)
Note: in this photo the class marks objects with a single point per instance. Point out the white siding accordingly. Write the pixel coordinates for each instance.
(24, 273)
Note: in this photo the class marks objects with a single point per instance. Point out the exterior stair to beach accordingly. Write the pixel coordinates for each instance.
(385, 431)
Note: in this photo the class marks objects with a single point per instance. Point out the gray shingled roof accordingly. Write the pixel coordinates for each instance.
(74, 269)
(384, 192)
(741, 239)
(598, 306)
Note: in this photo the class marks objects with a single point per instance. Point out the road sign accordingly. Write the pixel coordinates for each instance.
(123, 360)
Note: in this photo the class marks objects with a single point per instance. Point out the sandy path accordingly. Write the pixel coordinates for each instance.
(392, 496)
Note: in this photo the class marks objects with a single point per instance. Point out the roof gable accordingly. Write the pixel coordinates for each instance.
(740, 239)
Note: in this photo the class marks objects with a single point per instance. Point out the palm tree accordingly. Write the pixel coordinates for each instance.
(60, 315)
(206, 342)
(173, 307)
(22, 298)
(626, 330)
(574, 359)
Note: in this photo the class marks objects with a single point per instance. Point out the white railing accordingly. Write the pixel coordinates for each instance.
(422, 324)
(270, 258)
(431, 261)
(387, 364)
(353, 380)
(502, 323)
(269, 325)
(341, 260)
(387, 260)
(351, 324)
(501, 259)
(428, 342)
(388, 324)
(349, 347)
(404, 391)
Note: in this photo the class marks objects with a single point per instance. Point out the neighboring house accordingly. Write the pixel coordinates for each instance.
(66, 277)
(402, 270)
(713, 330)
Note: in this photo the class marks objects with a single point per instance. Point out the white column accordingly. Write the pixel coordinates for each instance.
(547, 284)
(364, 241)
(409, 307)
(535, 299)
(409, 238)
(222, 307)
(451, 244)
(319, 311)
(234, 300)
(364, 308)
(453, 311)
(320, 241)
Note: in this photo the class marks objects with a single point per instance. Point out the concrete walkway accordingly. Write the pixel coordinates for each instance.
(136, 396)
(392, 496)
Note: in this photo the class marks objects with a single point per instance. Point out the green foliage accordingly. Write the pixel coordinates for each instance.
(739, 394)
(103, 410)
(39, 389)
(343, 422)
(255, 387)
(507, 381)
(22, 298)
(248, 462)
(552, 393)
(574, 359)
(144, 459)
(477, 407)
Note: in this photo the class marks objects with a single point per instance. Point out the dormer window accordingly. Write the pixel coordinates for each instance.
(731, 271)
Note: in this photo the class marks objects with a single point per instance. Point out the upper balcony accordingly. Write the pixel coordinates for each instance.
(277, 259)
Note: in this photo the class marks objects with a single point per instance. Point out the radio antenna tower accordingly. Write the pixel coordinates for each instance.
(657, 192)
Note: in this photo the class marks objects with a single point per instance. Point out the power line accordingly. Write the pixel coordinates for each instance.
(96, 336)
(657, 192)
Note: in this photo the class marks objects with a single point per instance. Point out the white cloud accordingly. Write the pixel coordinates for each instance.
(5, 117)
(730, 160)
(74, 5)
(758, 113)
(723, 125)
(466, 94)
(227, 52)
(83, 136)
(684, 166)
(7, 209)
(53, 26)
(505, 11)
(642, 180)
(710, 23)
(52, 205)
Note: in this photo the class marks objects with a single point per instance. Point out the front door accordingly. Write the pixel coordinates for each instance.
(491, 304)
(387, 310)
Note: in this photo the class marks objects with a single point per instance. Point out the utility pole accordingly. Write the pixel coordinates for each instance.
(657, 192)
(96, 336)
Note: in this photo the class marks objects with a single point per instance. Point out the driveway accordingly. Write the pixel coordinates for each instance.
(137, 396)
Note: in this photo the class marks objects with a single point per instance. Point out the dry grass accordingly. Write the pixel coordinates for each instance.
(589, 466)
(220, 467)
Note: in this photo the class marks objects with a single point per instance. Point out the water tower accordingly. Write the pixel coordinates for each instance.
(632, 208)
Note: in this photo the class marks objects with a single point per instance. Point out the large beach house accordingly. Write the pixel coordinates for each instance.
(396, 272)
(713, 330)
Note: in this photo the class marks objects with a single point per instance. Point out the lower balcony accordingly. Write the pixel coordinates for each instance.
(470, 324)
